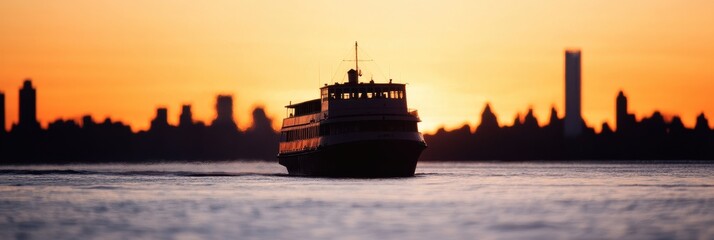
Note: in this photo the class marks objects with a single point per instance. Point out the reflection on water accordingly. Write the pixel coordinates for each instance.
(445, 200)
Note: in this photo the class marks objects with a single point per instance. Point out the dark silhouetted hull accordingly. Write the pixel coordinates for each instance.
(373, 158)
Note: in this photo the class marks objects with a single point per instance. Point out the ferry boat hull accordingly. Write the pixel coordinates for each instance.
(368, 158)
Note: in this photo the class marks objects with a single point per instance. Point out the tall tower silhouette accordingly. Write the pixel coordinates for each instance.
(621, 112)
(186, 118)
(624, 120)
(28, 106)
(2, 112)
(224, 111)
(573, 124)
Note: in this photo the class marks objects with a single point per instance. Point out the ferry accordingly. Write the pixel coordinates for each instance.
(355, 129)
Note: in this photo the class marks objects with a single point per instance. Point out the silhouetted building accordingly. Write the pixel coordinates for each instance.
(624, 120)
(554, 121)
(676, 126)
(2, 112)
(517, 121)
(573, 117)
(28, 107)
(261, 122)
(186, 118)
(259, 140)
(530, 121)
(702, 124)
(87, 121)
(161, 121)
(655, 125)
(224, 111)
(606, 130)
(489, 121)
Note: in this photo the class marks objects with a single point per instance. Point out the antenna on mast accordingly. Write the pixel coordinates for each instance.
(356, 71)
(359, 73)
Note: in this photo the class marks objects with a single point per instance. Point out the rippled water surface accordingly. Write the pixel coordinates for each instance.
(624, 200)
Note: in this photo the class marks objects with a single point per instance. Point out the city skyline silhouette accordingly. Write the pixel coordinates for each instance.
(572, 104)
(460, 54)
(444, 86)
(68, 140)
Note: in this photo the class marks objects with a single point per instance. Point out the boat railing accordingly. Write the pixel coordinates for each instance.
(303, 119)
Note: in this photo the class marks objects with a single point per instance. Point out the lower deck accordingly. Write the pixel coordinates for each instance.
(316, 142)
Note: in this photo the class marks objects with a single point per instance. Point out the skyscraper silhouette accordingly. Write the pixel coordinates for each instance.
(224, 110)
(624, 120)
(87, 121)
(2, 112)
(28, 107)
(161, 121)
(186, 118)
(573, 117)
(620, 110)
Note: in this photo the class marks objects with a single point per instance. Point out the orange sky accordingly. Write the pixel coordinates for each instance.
(124, 58)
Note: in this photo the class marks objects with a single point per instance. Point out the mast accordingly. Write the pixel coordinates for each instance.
(354, 74)
(356, 60)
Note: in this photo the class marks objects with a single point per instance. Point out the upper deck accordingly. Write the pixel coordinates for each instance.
(363, 99)
(350, 99)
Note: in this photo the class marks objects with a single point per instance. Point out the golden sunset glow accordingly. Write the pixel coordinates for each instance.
(123, 59)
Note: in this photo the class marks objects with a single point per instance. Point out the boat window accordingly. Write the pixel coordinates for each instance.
(363, 93)
(304, 133)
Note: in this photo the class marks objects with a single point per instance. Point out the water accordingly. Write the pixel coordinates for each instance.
(621, 200)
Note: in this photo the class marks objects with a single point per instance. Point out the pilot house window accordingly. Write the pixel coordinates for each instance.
(364, 93)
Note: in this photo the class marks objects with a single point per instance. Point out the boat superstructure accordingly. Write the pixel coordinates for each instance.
(355, 129)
